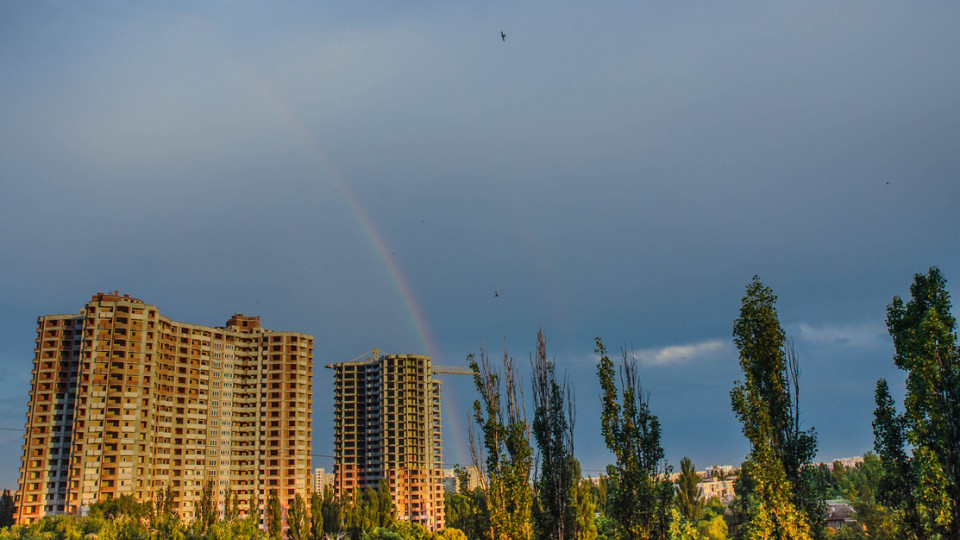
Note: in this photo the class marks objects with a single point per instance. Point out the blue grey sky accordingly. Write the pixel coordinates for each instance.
(372, 174)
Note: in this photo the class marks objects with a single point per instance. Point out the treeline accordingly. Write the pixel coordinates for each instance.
(909, 489)
(532, 486)
(367, 514)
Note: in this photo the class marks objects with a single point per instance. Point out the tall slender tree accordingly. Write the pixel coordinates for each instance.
(206, 514)
(332, 512)
(7, 509)
(504, 454)
(297, 520)
(688, 491)
(254, 515)
(924, 336)
(316, 516)
(585, 506)
(554, 514)
(764, 404)
(231, 504)
(640, 494)
(899, 479)
(274, 515)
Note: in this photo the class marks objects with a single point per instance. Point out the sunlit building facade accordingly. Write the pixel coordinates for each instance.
(125, 401)
(388, 429)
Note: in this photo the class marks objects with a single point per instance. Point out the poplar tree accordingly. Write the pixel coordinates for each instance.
(332, 512)
(274, 515)
(297, 519)
(231, 504)
(924, 336)
(896, 489)
(206, 514)
(640, 495)
(253, 513)
(7, 509)
(688, 491)
(553, 512)
(316, 516)
(503, 454)
(764, 404)
(585, 506)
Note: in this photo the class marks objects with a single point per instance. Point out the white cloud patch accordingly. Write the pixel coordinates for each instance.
(678, 354)
(844, 334)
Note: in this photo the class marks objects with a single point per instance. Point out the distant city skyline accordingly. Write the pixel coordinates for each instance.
(401, 177)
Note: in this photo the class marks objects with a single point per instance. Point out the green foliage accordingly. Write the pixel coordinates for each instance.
(925, 340)
(274, 515)
(606, 528)
(506, 443)
(123, 526)
(584, 506)
(451, 534)
(7, 509)
(206, 513)
(553, 510)
(709, 524)
(688, 491)
(466, 511)
(640, 494)
(254, 517)
(783, 503)
(297, 519)
(333, 519)
(124, 505)
(366, 510)
(380, 533)
(231, 505)
(316, 516)
(897, 488)
(162, 507)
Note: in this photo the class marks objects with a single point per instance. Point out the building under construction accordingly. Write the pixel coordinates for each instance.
(125, 401)
(388, 429)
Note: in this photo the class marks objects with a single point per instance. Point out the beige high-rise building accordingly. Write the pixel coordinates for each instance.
(388, 429)
(125, 401)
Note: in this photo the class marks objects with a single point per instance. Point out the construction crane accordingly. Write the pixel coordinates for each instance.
(452, 370)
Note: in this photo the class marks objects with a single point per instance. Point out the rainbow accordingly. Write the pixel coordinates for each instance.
(371, 233)
(374, 239)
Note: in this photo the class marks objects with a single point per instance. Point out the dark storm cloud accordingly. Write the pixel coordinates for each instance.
(620, 171)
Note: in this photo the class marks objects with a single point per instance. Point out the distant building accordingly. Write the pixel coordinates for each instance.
(451, 483)
(125, 401)
(321, 479)
(839, 514)
(849, 463)
(717, 471)
(715, 481)
(722, 489)
(387, 425)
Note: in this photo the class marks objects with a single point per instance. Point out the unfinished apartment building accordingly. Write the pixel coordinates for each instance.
(388, 428)
(125, 401)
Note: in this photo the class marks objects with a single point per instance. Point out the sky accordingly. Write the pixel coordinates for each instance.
(396, 175)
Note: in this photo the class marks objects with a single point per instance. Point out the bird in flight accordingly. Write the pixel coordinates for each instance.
(503, 37)
(496, 294)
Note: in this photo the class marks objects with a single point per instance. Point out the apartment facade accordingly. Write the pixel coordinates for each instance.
(387, 424)
(125, 401)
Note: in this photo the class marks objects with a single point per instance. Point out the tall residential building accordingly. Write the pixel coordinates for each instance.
(388, 429)
(125, 401)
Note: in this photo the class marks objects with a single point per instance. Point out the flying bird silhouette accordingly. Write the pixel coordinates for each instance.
(496, 294)
(503, 37)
